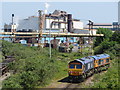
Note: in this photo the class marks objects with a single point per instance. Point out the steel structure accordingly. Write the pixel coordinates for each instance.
(67, 19)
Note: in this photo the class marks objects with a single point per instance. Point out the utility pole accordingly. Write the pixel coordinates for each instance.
(50, 35)
(80, 44)
(40, 27)
(12, 28)
(90, 39)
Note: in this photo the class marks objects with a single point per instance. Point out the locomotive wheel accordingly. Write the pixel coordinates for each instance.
(106, 67)
(70, 79)
(83, 77)
(92, 72)
(96, 70)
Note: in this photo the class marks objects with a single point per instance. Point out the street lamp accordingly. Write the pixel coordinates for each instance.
(50, 36)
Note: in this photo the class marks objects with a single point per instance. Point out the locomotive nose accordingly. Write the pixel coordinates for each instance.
(75, 72)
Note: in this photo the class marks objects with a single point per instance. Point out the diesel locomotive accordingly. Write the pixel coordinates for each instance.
(79, 69)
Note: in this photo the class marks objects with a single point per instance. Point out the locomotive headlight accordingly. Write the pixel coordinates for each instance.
(70, 71)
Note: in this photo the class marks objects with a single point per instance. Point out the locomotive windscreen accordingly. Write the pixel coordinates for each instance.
(72, 66)
(77, 66)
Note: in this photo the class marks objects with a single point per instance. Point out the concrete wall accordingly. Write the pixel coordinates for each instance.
(85, 31)
(29, 23)
(49, 21)
(77, 25)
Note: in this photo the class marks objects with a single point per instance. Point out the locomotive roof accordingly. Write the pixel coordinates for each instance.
(77, 60)
(90, 58)
(96, 57)
(87, 59)
(84, 60)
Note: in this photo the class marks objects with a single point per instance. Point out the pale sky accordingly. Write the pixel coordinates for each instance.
(98, 12)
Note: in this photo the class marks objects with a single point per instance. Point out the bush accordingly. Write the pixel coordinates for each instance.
(116, 36)
(107, 35)
(110, 45)
(110, 78)
(105, 45)
(32, 66)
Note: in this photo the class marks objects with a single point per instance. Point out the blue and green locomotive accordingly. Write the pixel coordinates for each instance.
(79, 69)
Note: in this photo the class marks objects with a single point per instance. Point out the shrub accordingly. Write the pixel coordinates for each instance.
(107, 35)
(116, 36)
(32, 66)
(105, 45)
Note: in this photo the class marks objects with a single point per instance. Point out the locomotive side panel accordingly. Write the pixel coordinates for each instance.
(89, 66)
(100, 60)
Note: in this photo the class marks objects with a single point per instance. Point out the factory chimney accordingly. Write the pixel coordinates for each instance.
(69, 21)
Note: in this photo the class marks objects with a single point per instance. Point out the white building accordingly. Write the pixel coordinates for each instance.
(9, 27)
(77, 24)
(58, 22)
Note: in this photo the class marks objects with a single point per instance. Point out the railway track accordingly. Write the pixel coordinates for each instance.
(64, 83)
(77, 86)
(4, 64)
(72, 87)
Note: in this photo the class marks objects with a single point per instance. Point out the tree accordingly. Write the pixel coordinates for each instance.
(105, 45)
(116, 36)
(107, 34)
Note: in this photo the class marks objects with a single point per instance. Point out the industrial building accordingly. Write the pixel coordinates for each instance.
(57, 22)
(9, 27)
(114, 26)
(36, 30)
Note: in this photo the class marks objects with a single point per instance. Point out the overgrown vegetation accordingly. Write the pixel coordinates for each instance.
(33, 67)
(110, 46)
(107, 35)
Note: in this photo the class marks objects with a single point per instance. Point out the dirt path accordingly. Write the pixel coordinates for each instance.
(65, 85)
(6, 75)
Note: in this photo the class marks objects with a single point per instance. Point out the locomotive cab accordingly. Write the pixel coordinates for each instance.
(75, 68)
(79, 67)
